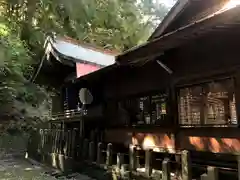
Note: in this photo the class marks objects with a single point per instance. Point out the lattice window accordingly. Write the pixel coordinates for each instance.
(159, 108)
(210, 103)
(147, 109)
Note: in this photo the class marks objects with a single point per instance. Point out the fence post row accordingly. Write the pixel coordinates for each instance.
(58, 140)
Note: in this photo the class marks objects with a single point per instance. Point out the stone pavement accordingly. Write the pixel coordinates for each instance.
(14, 167)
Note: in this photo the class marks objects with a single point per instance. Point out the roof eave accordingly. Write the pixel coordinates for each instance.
(213, 21)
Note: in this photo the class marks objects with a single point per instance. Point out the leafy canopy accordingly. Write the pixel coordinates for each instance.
(24, 24)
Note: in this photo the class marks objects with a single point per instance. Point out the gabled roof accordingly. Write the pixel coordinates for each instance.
(61, 56)
(74, 51)
(185, 12)
(222, 21)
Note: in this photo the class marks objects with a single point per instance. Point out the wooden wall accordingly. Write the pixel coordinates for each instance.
(202, 57)
(215, 55)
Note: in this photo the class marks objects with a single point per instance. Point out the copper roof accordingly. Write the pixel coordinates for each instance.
(65, 48)
(89, 46)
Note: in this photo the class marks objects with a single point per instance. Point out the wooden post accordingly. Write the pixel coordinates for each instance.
(62, 142)
(212, 173)
(148, 162)
(69, 147)
(120, 160)
(109, 155)
(73, 143)
(80, 148)
(132, 157)
(66, 143)
(53, 141)
(186, 166)
(85, 149)
(137, 159)
(82, 127)
(99, 153)
(56, 141)
(44, 141)
(204, 177)
(166, 169)
(91, 151)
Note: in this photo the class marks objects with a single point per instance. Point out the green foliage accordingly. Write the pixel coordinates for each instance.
(17, 94)
(111, 24)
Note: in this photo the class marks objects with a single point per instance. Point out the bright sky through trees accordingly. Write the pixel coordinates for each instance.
(168, 3)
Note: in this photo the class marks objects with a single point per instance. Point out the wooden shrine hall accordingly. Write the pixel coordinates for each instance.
(180, 91)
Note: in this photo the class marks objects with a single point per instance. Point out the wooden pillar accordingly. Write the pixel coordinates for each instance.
(132, 157)
(109, 155)
(99, 153)
(120, 160)
(212, 173)
(186, 166)
(148, 162)
(91, 151)
(166, 169)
